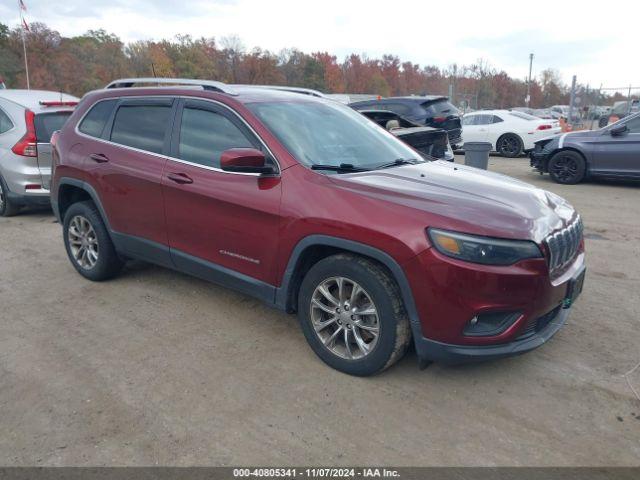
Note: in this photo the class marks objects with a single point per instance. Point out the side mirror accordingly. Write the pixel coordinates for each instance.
(244, 160)
(619, 130)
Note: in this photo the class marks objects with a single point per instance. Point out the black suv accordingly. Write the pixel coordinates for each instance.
(430, 110)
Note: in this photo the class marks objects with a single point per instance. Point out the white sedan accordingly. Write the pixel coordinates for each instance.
(509, 132)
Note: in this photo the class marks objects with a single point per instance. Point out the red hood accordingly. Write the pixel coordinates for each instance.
(466, 199)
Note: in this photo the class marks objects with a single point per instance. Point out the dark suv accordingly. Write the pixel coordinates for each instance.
(430, 110)
(311, 207)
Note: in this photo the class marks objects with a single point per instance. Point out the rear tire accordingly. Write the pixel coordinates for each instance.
(88, 243)
(359, 333)
(509, 145)
(567, 167)
(7, 207)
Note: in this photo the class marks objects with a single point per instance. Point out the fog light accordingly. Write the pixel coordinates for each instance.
(490, 324)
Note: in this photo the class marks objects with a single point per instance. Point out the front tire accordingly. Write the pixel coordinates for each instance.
(7, 207)
(88, 243)
(352, 315)
(567, 167)
(509, 145)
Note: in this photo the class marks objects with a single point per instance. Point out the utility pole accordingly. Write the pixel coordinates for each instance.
(529, 82)
(572, 100)
(23, 24)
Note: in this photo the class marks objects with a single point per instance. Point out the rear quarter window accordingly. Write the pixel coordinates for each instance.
(5, 122)
(47, 123)
(96, 119)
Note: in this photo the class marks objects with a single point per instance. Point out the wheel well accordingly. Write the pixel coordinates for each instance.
(70, 194)
(307, 259)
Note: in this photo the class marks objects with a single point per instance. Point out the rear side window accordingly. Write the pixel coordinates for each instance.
(94, 122)
(141, 126)
(47, 123)
(399, 108)
(440, 108)
(5, 122)
(204, 135)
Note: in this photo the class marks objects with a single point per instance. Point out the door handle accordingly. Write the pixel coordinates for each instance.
(99, 158)
(181, 178)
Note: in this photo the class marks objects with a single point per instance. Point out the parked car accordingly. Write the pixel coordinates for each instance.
(611, 152)
(619, 111)
(309, 206)
(432, 142)
(546, 113)
(431, 111)
(564, 112)
(510, 133)
(27, 120)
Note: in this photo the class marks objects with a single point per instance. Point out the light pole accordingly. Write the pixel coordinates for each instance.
(529, 82)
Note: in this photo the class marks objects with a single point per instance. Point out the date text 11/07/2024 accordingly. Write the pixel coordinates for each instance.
(315, 473)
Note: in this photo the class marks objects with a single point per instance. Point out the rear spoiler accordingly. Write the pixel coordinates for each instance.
(58, 104)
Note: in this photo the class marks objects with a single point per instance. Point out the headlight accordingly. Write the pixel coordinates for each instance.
(484, 250)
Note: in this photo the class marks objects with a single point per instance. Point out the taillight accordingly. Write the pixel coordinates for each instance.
(26, 146)
(544, 127)
(439, 119)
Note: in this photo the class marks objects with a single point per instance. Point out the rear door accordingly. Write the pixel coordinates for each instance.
(126, 171)
(218, 222)
(619, 155)
(46, 123)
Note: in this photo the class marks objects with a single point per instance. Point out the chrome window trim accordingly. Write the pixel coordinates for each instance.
(179, 160)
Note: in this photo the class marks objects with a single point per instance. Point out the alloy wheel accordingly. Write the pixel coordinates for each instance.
(83, 242)
(509, 146)
(565, 168)
(344, 318)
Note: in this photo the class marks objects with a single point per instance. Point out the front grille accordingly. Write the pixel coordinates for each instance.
(563, 245)
(536, 325)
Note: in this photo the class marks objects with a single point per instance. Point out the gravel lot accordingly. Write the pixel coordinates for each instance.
(159, 368)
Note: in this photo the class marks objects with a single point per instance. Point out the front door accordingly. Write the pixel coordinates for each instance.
(618, 155)
(222, 226)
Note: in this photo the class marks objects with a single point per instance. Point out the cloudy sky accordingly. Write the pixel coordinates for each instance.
(594, 41)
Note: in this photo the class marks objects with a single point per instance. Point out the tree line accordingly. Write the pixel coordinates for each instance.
(78, 64)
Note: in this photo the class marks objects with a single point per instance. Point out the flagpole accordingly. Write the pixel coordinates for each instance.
(24, 45)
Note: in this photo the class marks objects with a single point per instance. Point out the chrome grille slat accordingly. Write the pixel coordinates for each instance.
(563, 245)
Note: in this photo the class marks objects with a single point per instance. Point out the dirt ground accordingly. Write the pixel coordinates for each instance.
(157, 368)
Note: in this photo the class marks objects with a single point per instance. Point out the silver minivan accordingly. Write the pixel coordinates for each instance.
(27, 120)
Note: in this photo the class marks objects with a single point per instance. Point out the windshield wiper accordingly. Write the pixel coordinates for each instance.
(343, 167)
(397, 162)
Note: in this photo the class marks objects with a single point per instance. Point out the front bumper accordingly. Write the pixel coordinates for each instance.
(449, 293)
(456, 354)
(538, 160)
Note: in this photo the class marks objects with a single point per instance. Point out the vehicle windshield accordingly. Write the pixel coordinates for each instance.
(329, 133)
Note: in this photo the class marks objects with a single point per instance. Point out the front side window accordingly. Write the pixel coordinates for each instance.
(205, 134)
(634, 125)
(469, 120)
(5, 122)
(141, 126)
(328, 133)
(95, 120)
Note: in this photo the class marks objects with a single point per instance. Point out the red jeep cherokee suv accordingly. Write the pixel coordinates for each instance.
(311, 207)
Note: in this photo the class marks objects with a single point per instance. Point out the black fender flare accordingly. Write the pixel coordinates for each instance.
(87, 188)
(283, 292)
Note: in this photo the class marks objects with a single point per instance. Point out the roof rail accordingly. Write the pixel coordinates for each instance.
(301, 90)
(205, 84)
